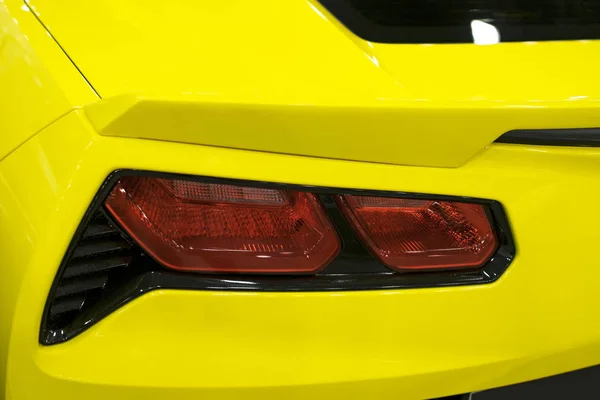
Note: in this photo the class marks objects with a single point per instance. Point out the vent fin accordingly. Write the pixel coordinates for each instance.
(101, 251)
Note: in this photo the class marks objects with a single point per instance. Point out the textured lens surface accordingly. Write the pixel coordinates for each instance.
(224, 228)
(421, 234)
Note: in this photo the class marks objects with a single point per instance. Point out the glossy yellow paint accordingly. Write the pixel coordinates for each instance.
(538, 319)
(38, 84)
(290, 79)
(286, 77)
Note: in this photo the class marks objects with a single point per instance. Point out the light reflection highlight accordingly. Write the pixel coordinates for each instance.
(484, 33)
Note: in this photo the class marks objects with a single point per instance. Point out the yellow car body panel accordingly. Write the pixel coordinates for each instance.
(284, 76)
(38, 83)
(538, 319)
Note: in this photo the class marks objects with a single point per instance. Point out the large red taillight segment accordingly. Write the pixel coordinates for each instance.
(220, 228)
(407, 234)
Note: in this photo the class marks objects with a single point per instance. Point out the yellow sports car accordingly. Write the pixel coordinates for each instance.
(297, 199)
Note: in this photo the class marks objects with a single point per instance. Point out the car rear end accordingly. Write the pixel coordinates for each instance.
(301, 199)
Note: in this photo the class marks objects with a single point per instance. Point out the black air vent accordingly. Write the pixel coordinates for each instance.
(101, 251)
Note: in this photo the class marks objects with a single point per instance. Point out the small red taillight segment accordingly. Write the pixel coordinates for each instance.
(407, 234)
(207, 227)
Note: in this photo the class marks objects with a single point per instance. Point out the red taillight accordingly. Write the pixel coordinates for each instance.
(407, 234)
(189, 225)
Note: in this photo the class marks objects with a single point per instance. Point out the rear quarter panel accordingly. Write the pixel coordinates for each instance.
(38, 84)
(537, 319)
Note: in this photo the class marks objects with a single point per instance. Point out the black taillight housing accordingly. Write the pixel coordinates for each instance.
(147, 230)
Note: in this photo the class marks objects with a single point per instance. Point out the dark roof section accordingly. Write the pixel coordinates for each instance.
(449, 21)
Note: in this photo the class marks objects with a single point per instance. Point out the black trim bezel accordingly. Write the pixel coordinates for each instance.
(360, 270)
(578, 137)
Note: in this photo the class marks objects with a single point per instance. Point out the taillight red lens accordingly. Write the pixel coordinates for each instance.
(407, 234)
(189, 225)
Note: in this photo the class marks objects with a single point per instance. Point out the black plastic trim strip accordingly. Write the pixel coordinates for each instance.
(354, 269)
(581, 384)
(584, 137)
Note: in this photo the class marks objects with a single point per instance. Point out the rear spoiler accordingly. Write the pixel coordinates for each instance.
(437, 134)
